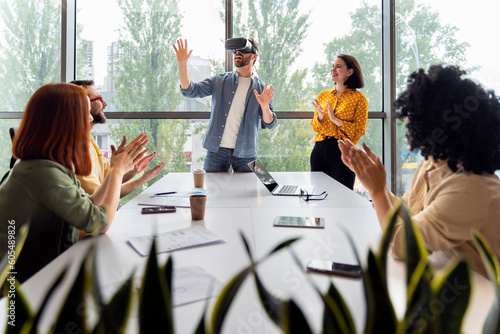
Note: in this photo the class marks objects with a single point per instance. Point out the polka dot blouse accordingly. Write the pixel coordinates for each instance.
(351, 107)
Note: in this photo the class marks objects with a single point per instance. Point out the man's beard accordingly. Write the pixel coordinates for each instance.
(243, 62)
(99, 118)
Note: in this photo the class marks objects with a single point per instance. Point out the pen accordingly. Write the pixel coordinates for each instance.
(167, 193)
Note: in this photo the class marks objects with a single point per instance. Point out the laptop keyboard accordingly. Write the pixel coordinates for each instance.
(288, 189)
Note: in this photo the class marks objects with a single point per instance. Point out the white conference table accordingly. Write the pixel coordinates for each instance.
(240, 203)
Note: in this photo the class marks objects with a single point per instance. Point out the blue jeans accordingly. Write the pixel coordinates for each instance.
(223, 159)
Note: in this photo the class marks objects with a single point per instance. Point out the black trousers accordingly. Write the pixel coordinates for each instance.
(326, 157)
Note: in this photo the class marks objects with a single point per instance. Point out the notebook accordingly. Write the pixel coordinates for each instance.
(274, 188)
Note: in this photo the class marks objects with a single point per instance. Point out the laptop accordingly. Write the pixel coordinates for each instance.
(274, 188)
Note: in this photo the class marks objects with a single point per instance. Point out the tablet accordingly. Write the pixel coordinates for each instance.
(313, 222)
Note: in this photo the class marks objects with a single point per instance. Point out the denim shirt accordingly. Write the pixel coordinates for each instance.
(222, 87)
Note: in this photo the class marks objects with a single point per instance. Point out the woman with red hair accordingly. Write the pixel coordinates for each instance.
(42, 190)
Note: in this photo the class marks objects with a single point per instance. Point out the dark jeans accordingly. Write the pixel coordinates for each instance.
(223, 159)
(326, 158)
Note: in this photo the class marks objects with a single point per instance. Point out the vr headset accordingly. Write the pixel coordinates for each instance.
(240, 44)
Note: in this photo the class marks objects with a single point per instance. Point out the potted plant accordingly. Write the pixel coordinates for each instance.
(424, 287)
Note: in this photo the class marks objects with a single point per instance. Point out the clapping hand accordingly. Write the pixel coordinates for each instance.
(368, 168)
(140, 141)
(321, 111)
(345, 147)
(125, 158)
(143, 162)
(153, 172)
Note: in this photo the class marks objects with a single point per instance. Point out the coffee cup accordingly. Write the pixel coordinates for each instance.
(199, 178)
(198, 203)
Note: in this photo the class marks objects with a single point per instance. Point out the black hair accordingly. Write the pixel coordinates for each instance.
(255, 45)
(83, 83)
(452, 118)
(355, 80)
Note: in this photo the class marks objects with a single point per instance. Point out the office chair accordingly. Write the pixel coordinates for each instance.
(12, 132)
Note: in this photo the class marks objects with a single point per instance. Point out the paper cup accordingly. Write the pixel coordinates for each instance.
(198, 203)
(199, 178)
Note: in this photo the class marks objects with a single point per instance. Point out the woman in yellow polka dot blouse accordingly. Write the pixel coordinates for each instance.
(340, 112)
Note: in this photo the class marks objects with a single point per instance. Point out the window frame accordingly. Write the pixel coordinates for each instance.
(387, 115)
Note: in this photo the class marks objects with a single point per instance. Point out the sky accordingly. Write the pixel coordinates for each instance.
(477, 20)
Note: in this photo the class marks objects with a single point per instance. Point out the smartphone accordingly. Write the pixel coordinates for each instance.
(334, 268)
(299, 222)
(158, 209)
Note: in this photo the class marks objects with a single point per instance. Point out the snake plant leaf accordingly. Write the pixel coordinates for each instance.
(451, 293)
(295, 321)
(333, 317)
(336, 315)
(45, 300)
(96, 291)
(202, 328)
(21, 321)
(490, 261)
(380, 315)
(418, 301)
(114, 315)
(418, 276)
(387, 236)
(416, 254)
(20, 239)
(492, 323)
(226, 297)
(167, 272)
(116, 312)
(74, 307)
(282, 245)
(247, 246)
(153, 309)
(273, 306)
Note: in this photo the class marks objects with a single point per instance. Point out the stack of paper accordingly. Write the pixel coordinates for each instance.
(170, 241)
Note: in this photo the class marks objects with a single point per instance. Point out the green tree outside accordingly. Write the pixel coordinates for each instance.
(147, 80)
(31, 49)
(420, 39)
(279, 29)
(30, 57)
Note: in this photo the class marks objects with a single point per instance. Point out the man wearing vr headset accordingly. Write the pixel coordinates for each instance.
(231, 138)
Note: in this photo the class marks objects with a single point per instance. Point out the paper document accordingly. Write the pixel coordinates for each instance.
(180, 199)
(189, 285)
(179, 202)
(170, 241)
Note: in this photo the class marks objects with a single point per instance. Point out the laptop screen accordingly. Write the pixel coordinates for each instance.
(263, 175)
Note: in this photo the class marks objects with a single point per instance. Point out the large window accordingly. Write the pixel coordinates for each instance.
(131, 59)
(300, 40)
(30, 49)
(30, 56)
(126, 48)
(427, 33)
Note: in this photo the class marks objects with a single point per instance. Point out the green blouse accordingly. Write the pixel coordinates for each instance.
(47, 196)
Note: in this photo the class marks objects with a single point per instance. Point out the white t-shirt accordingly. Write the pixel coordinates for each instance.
(236, 111)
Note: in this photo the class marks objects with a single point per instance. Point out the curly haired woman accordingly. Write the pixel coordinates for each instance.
(455, 124)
